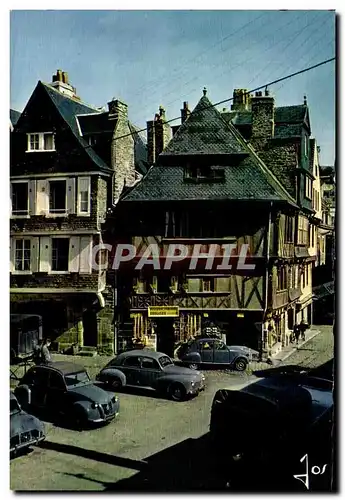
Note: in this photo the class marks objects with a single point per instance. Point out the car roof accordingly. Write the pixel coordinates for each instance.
(141, 352)
(64, 367)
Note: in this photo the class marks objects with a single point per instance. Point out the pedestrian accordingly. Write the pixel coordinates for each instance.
(37, 352)
(45, 354)
(296, 331)
(303, 327)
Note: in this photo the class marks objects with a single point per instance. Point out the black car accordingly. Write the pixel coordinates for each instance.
(65, 390)
(154, 370)
(208, 351)
(25, 430)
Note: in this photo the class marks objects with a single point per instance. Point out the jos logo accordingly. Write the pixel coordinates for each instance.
(316, 470)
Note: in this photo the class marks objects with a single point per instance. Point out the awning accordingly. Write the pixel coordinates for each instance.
(323, 290)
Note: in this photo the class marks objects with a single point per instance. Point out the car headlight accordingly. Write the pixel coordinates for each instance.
(116, 399)
(192, 383)
(94, 405)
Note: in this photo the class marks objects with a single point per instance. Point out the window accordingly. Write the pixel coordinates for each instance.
(132, 361)
(208, 285)
(165, 361)
(312, 235)
(77, 378)
(92, 140)
(206, 345)
(288, 229)
(204, 173)
(43, 141)
(303, 231)
(60, 248)
(22, 255)
(219, 346)
(281, 278)
(149, 363)
(308, 187)
(84, 196)
(57, 197)
(20, 198)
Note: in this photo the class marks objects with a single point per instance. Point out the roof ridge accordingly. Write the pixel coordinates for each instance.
(70, 97)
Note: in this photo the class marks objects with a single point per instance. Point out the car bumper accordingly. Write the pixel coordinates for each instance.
(26, 444)
(107, 415)
(193, 391)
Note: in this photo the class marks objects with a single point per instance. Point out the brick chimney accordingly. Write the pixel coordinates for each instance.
(158, 135)
(60, 83)
(240, 100)
(185, 112)
(262, 118)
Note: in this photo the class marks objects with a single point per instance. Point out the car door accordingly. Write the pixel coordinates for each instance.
(37, 381)
(206, 350)
(131, 368)
(150, 371)
(56, 392)
(221, 353)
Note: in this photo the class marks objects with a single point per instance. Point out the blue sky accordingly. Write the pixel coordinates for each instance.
(152, 58)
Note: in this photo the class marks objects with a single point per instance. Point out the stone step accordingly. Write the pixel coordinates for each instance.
(87, 351)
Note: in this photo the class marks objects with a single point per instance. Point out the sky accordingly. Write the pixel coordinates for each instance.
(152, 58)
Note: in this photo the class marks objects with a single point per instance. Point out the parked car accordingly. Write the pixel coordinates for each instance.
(206, 351)
(65, 390)
(154, 370)
(25, 430)
(287, 408)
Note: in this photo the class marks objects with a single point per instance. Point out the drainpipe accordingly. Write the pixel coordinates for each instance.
(267, 273)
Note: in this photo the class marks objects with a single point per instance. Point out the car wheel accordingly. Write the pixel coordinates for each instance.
(177, 392)
(193, 366)
(114, 383)
(240, 364)
(79, 419)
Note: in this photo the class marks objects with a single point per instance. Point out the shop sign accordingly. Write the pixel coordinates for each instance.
(240, 315)
(163, 311)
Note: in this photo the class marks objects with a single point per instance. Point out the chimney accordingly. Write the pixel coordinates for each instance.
(240, 100)
(60, 83)
(185, 112)
(158, 135)
(262, 118)
(117, 110)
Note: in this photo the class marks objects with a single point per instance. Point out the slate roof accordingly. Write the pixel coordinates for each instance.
(69, 108)
(203, 133)
(206, 134)
(288, 120)
(14, 116)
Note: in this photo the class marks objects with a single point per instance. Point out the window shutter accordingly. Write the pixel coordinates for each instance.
(71, 195)
(73, 261)
(42, 197)
(45, 254)
(12, 254)
(32, 197)
(85, 254)
(35, 241)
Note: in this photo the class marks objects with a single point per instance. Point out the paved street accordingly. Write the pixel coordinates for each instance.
(98, 459)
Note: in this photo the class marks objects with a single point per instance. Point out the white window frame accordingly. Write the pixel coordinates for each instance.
(18, 271)
(55, 237)
(79, 212)
(57, 214)
(40, 142)
(20, 216)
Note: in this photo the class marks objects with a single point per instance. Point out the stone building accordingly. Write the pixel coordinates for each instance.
(69, 164)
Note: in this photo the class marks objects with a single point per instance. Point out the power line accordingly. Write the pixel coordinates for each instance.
(264, 86)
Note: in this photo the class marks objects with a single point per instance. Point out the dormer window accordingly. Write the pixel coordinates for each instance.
(42, 141)
(204, 173)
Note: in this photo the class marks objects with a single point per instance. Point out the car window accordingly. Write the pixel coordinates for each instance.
(56, 381)
(36, 376)
(219, 345)
(76, 378)
(149, 363)
(165, 361)
(132, 361)
(206, 345)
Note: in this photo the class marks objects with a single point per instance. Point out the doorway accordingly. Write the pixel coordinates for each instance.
(290, 319)
(90, 328)
(165, 335)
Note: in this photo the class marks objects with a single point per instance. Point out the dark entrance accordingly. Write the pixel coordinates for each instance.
(165, 335)
(290, 319)
(90, 328)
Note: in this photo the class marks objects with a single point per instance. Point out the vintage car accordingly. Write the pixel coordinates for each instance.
(154, 370)
(25, 430)
(208, 351)
(65, 390)
(289, 407)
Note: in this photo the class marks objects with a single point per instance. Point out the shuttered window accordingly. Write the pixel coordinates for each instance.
(22, 255)
(84, 191)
